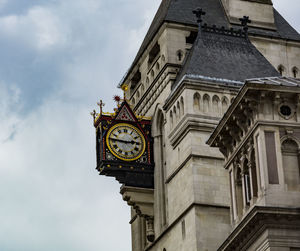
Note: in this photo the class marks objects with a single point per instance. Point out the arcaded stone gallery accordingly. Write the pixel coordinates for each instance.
(206, 140)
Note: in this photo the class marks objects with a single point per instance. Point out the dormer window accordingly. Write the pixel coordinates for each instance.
(136, 79)
(153, 53)
(191, 38)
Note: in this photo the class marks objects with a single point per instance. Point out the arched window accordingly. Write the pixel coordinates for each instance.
(133, 101)
(182, 106)
(138, 94)
(178, 110)
(196, 102)
(253, 174)
(280, 69)
(295, 72)
(215, 102)
(239, 192)
(174, 114)
(247, 183)
(290, 159)
(157, 66)
(206, 101)
(224, 104)
(142, 88)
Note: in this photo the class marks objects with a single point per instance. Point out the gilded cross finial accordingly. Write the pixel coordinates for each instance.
(124, 88)
(94, 114)
(199, 13)
(101, 105)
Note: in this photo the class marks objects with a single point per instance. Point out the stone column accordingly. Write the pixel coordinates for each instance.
(233, 196)
(244, 192)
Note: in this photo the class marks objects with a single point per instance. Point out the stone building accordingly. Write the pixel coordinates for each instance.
(188, 71)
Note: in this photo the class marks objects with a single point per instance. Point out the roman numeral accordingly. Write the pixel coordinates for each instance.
(136, 149)
(125, 130)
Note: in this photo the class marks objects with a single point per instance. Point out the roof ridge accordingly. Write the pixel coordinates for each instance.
(229, 32)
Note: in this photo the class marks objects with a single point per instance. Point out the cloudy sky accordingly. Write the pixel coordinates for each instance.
(57, 59)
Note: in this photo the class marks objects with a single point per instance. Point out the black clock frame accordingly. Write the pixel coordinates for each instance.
(137, 173)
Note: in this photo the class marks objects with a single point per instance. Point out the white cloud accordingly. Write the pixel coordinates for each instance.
(290, 11)
(52, 198)
(39, 27)
(9, 103)
(47, 27)
(2, 3)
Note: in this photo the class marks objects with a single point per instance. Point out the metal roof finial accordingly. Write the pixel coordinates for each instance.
(244, 22)
(199, 13)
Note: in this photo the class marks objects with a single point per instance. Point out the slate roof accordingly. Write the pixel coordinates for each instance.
(180, 11)
(225, 54)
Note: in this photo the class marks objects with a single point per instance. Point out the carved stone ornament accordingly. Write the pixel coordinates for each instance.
(286, 110)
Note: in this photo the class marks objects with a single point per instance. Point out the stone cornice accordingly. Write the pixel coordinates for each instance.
(260, 1)
(192, 122)
(201, 83)
(271, 39)
(257, 85)
(256, 221)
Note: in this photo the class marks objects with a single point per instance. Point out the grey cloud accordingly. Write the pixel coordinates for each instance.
(51, 196)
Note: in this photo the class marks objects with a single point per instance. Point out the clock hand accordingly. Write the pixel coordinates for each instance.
(120, 140)
(125, 141)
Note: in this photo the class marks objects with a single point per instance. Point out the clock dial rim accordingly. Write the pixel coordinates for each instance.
(133, 128)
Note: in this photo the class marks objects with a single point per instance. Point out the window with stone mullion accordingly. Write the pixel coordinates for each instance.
(248, 194)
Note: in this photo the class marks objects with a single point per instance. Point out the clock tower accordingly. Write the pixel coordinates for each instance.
(186, 74)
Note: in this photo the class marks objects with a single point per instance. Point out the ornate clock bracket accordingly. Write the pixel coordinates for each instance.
(141, 200)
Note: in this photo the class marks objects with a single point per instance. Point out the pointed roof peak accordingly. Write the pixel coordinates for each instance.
(180, 12)
(224, 54)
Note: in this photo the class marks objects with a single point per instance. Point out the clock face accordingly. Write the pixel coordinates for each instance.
(125, 141)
